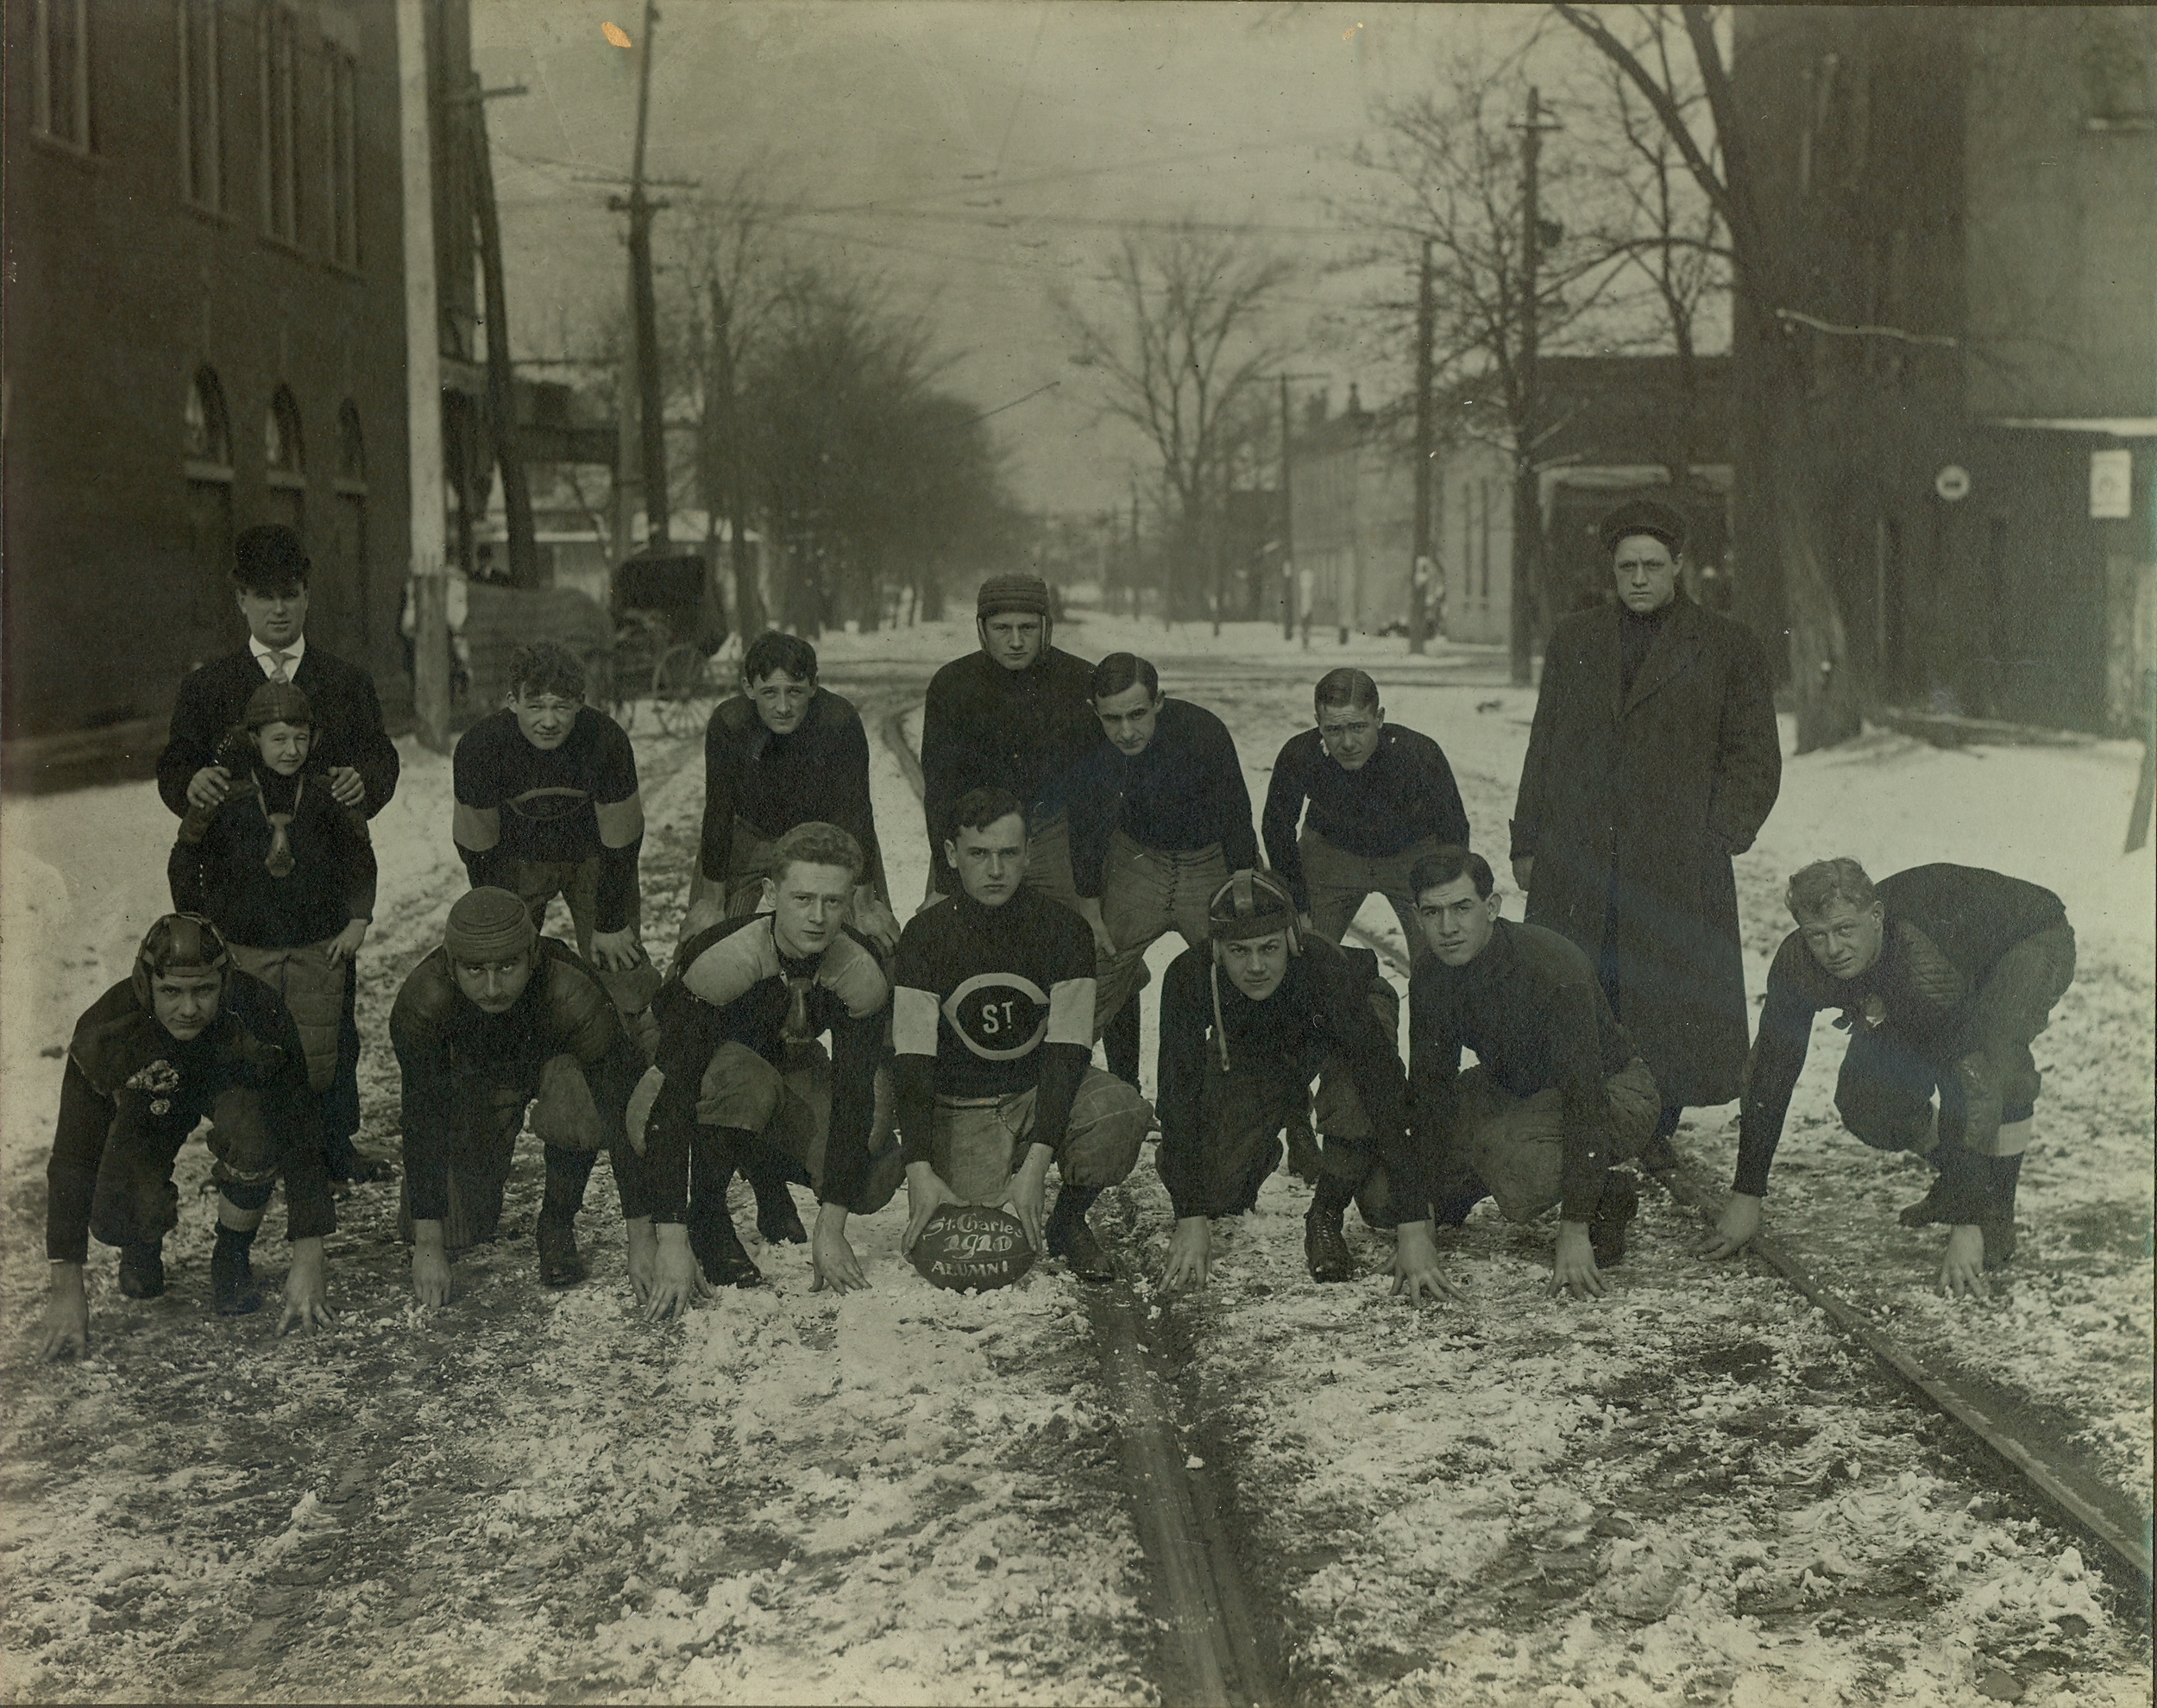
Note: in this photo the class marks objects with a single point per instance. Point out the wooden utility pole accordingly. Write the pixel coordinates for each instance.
(423, 385)
(501, 390)
(643, 306)
(1527, 506)
(1426, 318)
(1287, 528)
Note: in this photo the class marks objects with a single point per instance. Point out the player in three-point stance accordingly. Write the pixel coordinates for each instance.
(1558, 1097)
(1248, 1019)
(740, 1072)
(496, 1018)
(185, 1036)
(1945, 975)
(992, 1018)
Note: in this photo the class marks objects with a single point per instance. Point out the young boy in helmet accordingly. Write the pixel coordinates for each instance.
(992, 1022)
(1558, 1097)
(1945, 975)
(742, 1080)
(496, 1018)
(350, 755)
(547, 805)
(187, 1035)
(1248, 1019)
(285, 873)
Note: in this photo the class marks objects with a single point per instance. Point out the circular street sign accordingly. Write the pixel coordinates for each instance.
(1952, 483)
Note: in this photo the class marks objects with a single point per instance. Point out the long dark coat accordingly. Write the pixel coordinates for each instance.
(1632, 804)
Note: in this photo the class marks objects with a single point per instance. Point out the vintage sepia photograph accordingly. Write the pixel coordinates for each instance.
(1046, 851)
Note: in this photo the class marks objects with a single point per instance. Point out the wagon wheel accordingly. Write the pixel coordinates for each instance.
(683, 694)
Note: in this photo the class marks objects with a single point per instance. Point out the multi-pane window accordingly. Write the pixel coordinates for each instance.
(201, 104)
(341, 152)
(59, 45)
(205, 432)
(276, 27)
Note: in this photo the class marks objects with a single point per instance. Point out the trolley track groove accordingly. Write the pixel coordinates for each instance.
(1211, 1640)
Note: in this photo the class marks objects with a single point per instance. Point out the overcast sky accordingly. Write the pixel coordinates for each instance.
(970, 155)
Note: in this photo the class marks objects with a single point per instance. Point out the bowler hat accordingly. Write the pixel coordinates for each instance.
(270, 558)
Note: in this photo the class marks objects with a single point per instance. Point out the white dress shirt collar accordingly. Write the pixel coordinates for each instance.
(293, 654)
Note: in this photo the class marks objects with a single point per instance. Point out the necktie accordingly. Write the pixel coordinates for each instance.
(278, 672)
(278, 860)
(795, 1028)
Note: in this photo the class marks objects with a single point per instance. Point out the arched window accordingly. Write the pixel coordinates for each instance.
(351, 446)
(205, 430)
(283, 452)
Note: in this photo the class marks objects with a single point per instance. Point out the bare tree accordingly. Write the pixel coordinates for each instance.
(730, 270)
(1455, 159)
(1655, 217)
(1775, 438)
(1186, 347)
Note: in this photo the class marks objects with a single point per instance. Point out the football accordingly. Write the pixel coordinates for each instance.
(973, 1245)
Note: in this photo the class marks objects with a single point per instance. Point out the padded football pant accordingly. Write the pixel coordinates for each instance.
(1513, 1149)
(975, 1141)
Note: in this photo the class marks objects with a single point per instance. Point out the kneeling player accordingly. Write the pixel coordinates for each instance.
(992, 1017)
(186, 1036)
(740, 1073)
(1558, 1097)
(497, 1017)
(1945, 975)
(1248, 1020)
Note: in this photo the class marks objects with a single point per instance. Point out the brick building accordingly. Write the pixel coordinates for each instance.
(1985, 181)
(205, 331)
(1352, 506)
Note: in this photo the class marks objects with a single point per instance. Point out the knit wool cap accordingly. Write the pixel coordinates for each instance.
(488, 925)
(1253, 903)
(278, 703)
(1643, 516)
(1012, 592)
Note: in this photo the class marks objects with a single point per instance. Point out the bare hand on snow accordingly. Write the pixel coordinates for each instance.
(1962, 1269)
(1190, 1255)
(832, 1259)
(1574, 1272)
(306, 1289)
(1734, 1230)
(1416, 1272)
(678, 1280)
(429, 1264)
(67, 1314)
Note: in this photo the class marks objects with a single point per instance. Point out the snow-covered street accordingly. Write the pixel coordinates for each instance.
(1692, 1490)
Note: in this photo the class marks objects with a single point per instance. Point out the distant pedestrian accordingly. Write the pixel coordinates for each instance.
(992, 1019)
(1653, 759)
(1557, 1099)
(1945, 975)
(547, 805)
(1163, 817)
(1381, 796)
(496, 1020)
(350, 749)
(286, 875)
(784, 752)
(1248, 1018)
(185, 1036)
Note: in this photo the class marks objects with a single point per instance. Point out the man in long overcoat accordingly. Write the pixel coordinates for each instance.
(1654, 759)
